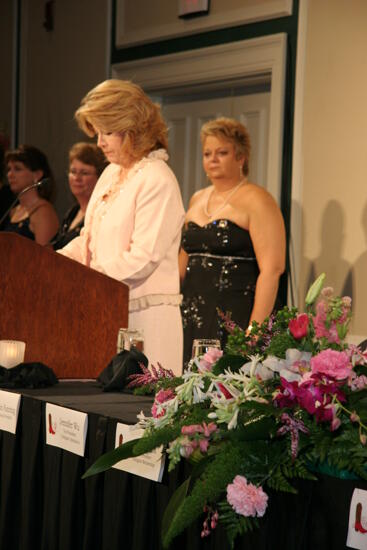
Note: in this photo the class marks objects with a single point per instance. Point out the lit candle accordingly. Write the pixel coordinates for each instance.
(11, 353)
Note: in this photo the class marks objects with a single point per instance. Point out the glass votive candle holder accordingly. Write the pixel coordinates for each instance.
(11, 353)
(129, 337)
(201, 345)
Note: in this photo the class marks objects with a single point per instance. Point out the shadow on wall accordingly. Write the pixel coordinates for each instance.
(299, 282)
(330, 260)
(359, 278)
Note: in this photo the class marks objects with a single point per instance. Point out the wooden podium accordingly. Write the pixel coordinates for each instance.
(67, 314)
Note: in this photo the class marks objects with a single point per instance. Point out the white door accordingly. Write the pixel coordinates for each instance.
(185, 119)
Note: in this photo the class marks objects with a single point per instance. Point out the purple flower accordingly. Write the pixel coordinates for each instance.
(245, 498)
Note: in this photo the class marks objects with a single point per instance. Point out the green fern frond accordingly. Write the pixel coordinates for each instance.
(235, 524)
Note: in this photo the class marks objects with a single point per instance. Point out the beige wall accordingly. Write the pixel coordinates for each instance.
(334, 205)
(140, 21)
(57, 69)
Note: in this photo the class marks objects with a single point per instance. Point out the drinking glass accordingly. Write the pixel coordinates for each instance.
(201, 345)
(128, 337)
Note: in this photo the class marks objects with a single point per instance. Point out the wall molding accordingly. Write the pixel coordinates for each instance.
(261, 11)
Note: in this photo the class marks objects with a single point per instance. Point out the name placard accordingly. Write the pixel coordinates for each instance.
(150, 465)
(66, 428)
(9, 409)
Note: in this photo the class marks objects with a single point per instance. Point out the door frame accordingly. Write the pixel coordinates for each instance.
(243, 59)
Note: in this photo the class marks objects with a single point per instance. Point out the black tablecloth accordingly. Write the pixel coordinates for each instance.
(45, 505)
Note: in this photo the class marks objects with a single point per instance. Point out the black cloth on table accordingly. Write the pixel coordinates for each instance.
(221, 273)
(116, 376)
(45, 504)
(65, 234)
(27, 375)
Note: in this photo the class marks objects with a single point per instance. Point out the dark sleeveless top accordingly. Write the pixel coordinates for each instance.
(65, 234)
(21, 228)
(221, 273)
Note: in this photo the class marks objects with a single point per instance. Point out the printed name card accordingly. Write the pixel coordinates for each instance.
(66, 428)
(150, 465)
(9, 409)
(357, 527)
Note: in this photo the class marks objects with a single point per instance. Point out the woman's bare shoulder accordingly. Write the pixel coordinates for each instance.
(198, 195)
(257, 196)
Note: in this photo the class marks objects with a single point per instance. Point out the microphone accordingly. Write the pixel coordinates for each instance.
(15, 202)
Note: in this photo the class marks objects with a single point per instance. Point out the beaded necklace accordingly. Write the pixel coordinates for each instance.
(225, 202)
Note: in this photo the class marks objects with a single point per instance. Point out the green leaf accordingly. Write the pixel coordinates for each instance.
(174, 503)
(229, 361)
(106, 461)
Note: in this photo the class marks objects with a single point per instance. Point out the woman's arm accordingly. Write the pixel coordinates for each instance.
(44, 222)
(267, 233)
(183, 257)
(183, 260)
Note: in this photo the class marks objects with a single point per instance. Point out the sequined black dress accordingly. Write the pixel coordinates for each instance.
(221, 273)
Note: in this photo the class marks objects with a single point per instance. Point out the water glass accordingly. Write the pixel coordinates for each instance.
(201, 345)
(128, 337)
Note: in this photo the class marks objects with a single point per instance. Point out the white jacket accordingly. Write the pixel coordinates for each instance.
(132, 230)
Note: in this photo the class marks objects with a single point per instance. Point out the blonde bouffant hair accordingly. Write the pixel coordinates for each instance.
(121, 106)
(231, 130)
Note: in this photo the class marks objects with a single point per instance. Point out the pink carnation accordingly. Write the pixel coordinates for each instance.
(245, 498)
(298, 327)
(331, 363)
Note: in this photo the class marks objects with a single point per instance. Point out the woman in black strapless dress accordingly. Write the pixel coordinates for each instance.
(233, 244)
(221, 273)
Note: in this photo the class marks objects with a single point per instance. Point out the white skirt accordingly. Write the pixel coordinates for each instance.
(163, 336)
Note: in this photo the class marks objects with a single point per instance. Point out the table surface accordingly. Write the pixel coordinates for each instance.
(88, 397)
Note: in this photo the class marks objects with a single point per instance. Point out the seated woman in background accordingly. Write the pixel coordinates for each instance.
(34, 217)
(86, 164)
(233, 246)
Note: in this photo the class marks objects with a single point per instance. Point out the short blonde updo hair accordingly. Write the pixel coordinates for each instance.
(231, 130)
(122, 106)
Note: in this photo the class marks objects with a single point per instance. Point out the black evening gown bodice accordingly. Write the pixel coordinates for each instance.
(221, 274)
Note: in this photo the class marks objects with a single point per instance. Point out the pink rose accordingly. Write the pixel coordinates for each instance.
(245, 498)
(299, 326)
(331, 363)
(210, 358)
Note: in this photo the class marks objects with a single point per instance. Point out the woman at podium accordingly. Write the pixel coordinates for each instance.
(134, 217)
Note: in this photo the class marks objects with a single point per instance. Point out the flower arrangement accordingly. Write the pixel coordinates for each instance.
(254, 418)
